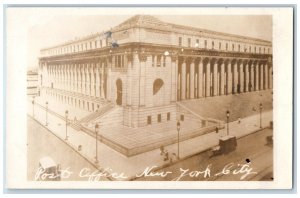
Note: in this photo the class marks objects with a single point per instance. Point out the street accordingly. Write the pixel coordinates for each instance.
(42, 142)
(252, 152)
(115, 162)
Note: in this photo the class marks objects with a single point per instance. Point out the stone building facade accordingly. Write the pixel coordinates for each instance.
(154, 66)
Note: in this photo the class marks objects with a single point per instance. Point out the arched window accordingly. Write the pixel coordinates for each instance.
(157, 85)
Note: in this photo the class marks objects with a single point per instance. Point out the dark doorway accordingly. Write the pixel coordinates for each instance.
(119, 92)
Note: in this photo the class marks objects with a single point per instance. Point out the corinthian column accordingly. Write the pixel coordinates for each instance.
(215, 79)
(235, 77)
(183, 79)
(266, 76)
(247, 77)
(207, 79)
(256, 77)
(251, 87)
(229, 78)
(261, 77)
(200, 78)
(192, 79)
(241, 83)
(222, 78)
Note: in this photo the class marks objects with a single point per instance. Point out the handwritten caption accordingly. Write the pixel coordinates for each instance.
(240, 170)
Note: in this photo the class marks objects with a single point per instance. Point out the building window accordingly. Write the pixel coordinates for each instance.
(90, 45)
(164, 61)
(153, 59)
(168, 116)
(254, 49)
(95, 44)
(159, 118)
(226, 46)
(157, 85)
(232, 47)
(220, 45)
(268, 50)
(239, 48)
(212, 45)
(158, 64)
(259, 50)
(205, 44)
(100, 43)
(189, 42)
(250, 49)
(149, 120)
(120, 61)
(197, 43)
(181, 117)
(264, 50)
(180, 41)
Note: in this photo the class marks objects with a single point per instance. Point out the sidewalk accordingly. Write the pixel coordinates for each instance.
(130, 166)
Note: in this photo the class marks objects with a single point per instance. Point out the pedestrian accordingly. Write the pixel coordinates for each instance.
(239, 120)
(217, 130)
(162, 150)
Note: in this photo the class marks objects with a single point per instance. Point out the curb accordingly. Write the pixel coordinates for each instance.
(192, 155)
(155, 169)
(70, 145)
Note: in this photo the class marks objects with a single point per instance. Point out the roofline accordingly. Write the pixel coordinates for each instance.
(220, 33)
(172, 24)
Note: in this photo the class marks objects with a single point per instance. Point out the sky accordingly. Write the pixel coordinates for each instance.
(58, 28)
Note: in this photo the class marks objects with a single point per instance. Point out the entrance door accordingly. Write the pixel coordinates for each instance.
(119, 92)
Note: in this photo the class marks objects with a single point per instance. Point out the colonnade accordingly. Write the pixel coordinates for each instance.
(204, 76)
(88, 78)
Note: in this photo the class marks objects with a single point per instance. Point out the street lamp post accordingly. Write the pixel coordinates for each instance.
(33, 107)
(46, 113)
(260, 111)
(96, 132)
(66, 113)
(178, 129)
(227, 115)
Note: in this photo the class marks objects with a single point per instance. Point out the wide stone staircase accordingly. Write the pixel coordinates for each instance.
(82, 123)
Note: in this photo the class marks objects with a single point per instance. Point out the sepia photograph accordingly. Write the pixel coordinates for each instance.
(131, 96)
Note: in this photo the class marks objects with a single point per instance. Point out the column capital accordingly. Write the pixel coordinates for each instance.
(174, 58)
(142, 57)
(190, 59)
(183, 58)
(129, 57)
